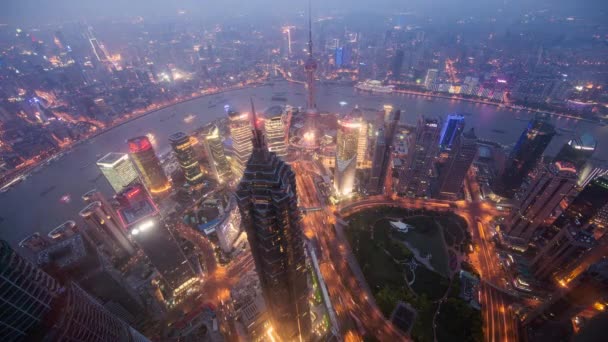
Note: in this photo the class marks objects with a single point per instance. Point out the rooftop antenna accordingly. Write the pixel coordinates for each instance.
(309, 28)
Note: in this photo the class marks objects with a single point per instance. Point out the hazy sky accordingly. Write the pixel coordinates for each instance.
(52, 11)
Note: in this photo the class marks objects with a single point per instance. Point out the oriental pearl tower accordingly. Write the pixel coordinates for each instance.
(311, 134)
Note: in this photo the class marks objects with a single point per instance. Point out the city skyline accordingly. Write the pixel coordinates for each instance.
(411, 173)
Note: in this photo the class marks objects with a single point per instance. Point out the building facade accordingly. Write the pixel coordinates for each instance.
(347, 142)
(276, 132)
(184, 153)
(462, 151)
(240, 130)
(118, 170)
(414, 180)
(214, 149)
(267, 199)
(152, 173)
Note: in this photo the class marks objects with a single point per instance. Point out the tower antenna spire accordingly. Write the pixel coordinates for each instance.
(258, 139)
(309, 28)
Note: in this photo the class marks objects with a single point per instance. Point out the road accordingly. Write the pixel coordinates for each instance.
(355, 307)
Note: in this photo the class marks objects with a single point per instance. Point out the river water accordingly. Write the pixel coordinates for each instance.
(30, 206)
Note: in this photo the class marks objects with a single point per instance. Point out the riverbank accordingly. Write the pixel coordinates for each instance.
(21, 174)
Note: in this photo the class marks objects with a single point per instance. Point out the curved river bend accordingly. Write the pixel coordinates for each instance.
(30, 206)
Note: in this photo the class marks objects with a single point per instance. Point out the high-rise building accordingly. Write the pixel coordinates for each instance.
(140, 217)
(214, 149)
(524, 156)
(453, 126)
(542, 199)
(574, 238)
(36, 307)
(105, 228)
(275, 131)
(431, 78)
(414, 181)
(592, 169)
(150, 169)
(347, 142)
(463, 149)
(578, 151)
(240, 130)
(362, 160)
(184, 153)
(118, 170)
(267, 198)
(562, 251)
(72, 255)
(589, 291)
(381, 157)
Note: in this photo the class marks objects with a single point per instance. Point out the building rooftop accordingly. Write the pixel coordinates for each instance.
(274, 111)
(64, 253)
(111, 159)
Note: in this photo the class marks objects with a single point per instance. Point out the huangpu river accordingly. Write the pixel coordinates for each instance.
(34, 205)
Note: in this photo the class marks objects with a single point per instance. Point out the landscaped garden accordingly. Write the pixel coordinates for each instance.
(412, 265)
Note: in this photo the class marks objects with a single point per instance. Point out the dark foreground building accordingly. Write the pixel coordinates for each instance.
(267, 199)
(35, 307)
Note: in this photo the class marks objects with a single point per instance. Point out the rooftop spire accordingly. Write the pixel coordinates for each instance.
(309, 28)
(258, 137)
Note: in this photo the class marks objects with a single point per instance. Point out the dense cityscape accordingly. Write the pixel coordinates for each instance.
(316, 172)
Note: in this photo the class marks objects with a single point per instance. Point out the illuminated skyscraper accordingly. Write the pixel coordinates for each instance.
(240, 130)
(347, 142)
(276, 133)
(453, 126)
(267, 197)
(362, 160)
(36, 307)
(524, 156)
(462, 151)
(152, 173)
(414, 181)
(214, 149)
(593, 168)
(542, 199)
(118, 170)
(141, 219)
(578, 151)
(184, 153)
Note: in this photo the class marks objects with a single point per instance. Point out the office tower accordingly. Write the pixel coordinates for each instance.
(524, 156)
(347, 142)
(276, 133)
(541, 200)
(431, 78)
(578, 151)
(415, 179)
(118, 170)
(397, 64)
(184, 153)
(574, 237)
(152, 173)
(267, 197)
(463, 149)
(140, 217)
(99, 50)
(562, 251)
(214, 149)
(310, 67)
(35, 306)
(72, 255)
(453, 126)
(588, 291)
(357, 116)
(381, 158)
(388, 110)
(240, 130)
(105, 228)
